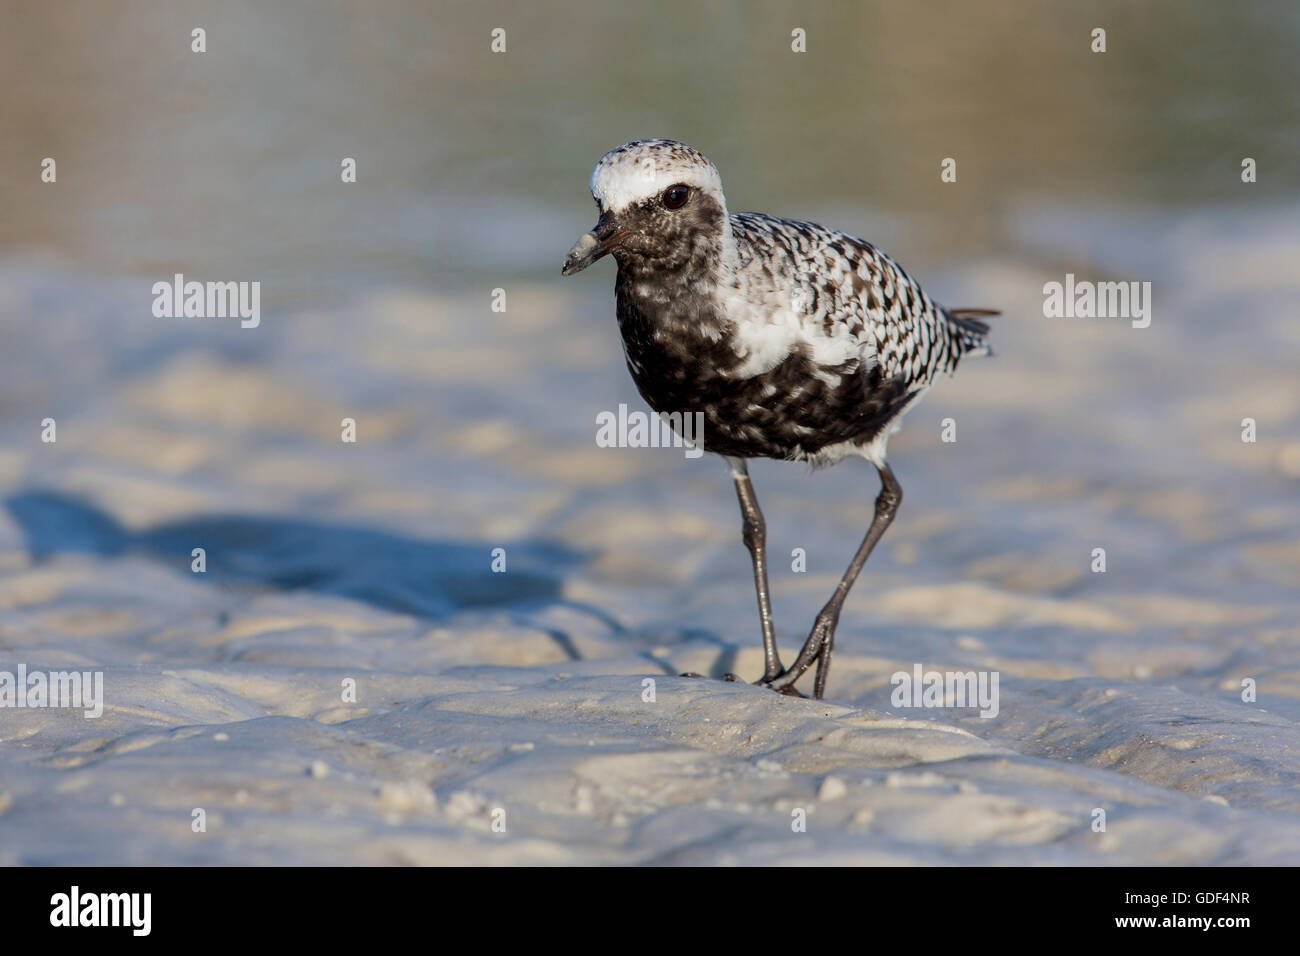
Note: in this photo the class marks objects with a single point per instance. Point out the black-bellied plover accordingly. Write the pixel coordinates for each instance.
(793, 341)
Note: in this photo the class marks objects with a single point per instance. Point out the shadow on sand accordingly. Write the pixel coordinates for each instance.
(428, 578)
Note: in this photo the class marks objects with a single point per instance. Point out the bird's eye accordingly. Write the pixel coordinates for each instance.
(675, 196)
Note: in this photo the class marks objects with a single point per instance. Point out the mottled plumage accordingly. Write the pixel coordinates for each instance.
(794, 341)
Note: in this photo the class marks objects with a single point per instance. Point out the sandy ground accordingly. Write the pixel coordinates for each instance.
(519, 698)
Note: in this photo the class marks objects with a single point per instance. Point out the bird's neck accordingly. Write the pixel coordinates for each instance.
(691, 265)
(670, 296)
(656, 278)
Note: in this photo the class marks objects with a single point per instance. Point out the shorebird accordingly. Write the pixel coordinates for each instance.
(795, 342)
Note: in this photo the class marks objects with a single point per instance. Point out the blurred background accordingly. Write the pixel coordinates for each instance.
(476, 428)
(472, 166)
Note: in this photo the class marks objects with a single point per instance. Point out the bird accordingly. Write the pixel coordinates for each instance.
(794, 342)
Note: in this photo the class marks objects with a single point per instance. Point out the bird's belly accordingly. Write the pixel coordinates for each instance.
(683, 361)
(789, 412)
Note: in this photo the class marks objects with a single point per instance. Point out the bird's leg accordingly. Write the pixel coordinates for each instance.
(821, 640)
(754, 531)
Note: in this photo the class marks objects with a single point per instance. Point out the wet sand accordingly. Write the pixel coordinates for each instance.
(524, 692)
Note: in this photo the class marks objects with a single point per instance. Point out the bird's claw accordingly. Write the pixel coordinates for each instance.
(729, 677)
(788, 691)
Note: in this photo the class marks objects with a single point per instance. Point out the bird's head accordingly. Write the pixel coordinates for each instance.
(657, 200)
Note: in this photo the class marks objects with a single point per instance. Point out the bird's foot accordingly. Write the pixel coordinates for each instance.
(789, 690)
(783, 683)
(730, 678)
(816, 650)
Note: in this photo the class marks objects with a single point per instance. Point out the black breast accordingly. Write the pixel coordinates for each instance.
(679, 353)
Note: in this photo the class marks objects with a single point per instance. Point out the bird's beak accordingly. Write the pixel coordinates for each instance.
(593, 245)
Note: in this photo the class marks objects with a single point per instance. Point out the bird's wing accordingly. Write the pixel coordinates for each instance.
(847, 297)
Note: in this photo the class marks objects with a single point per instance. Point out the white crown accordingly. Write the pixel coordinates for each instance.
(635, 172)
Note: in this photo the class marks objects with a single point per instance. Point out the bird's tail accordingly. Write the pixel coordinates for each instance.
(972, 330)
